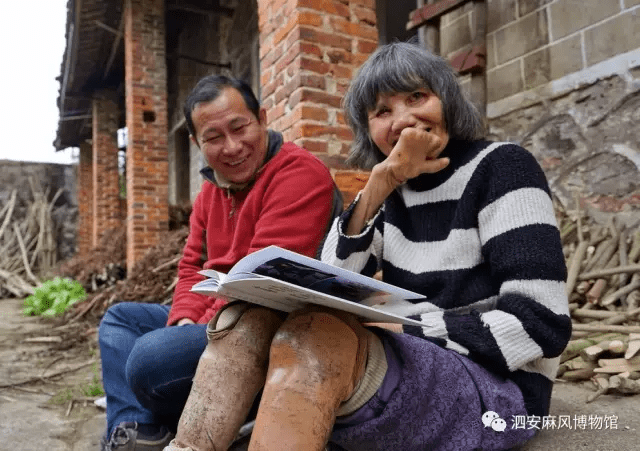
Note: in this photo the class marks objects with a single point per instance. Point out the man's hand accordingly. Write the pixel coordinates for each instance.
(184, 321)
(415, 153)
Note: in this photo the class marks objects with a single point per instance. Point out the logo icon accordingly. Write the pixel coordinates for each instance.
(493, 420)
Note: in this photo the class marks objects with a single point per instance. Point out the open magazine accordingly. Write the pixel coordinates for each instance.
(283, 280)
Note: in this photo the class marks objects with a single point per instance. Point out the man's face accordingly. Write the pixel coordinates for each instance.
(232, 139)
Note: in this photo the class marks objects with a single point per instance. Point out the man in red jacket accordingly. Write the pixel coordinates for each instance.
(258, 191)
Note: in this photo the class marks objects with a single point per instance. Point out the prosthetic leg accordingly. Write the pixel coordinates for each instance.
(316, 363)
(230, 373)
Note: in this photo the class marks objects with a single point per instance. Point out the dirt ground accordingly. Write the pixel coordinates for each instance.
(40, 412)
(47, 413)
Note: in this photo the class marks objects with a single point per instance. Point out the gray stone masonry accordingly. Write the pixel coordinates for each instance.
(568, 16)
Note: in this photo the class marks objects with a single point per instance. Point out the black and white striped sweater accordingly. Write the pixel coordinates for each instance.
(479, 240)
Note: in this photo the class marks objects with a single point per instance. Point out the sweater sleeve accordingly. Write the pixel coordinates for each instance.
(360, 253)
(187, 304)
(520, 242)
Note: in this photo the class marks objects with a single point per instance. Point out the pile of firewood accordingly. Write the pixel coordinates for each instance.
(603, 286)
(27, 244)
(103, 266)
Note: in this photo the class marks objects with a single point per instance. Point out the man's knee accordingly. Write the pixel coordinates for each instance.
(114, 317)
(242, 332)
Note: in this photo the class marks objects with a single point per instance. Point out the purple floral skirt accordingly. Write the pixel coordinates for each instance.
(433, 399)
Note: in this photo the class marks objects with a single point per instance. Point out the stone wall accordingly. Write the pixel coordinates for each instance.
(588, 142)
(563, 80)
(533, 42)
(49, 178)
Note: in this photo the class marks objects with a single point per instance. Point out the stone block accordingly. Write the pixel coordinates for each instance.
(568, 16)
(565, 57)
(522, 36)
(491, 51)
(618, 35)
(500, 13)
(537, 68)
(456, 13)
(455, 35)
(527, 6)
(504, 81)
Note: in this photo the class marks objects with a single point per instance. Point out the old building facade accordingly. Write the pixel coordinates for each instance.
(559, 76)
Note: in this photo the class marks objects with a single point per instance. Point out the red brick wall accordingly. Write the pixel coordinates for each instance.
(106, 202)
(85, 199)
(309, 51)
(146, 109)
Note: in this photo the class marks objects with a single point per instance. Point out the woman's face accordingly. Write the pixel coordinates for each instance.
(396, 111)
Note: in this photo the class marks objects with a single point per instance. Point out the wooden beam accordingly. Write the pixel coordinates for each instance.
(108, 28)
(114, 47)
(432, 11)
(201, 61)
(219, 11)
(75, 118)
(180, 124)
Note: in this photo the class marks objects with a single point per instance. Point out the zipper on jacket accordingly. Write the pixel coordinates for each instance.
(230, 196)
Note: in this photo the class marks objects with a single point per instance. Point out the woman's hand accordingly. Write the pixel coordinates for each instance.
(415, 153)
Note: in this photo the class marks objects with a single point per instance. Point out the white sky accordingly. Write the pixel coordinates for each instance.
(32, 41)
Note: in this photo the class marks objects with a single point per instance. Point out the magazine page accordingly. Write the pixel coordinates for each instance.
(210, 287)
(213, 274)
(288, 297)
(307, 272)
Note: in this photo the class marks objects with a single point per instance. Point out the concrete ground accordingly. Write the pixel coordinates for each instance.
(29, 421)
(610, 423)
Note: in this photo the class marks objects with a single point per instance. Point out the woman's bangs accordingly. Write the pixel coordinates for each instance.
(390, 79)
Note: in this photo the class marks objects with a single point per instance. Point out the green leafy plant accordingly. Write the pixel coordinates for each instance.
(93, 388)
(53, 297)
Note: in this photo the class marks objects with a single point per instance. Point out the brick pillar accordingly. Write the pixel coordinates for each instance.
(146, 106)
(106, 196)
(85, 199)
(309, 51)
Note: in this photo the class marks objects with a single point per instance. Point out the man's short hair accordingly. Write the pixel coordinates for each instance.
(209, 88)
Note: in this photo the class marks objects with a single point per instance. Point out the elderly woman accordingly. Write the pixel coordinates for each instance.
(465, 222)
(470, 225)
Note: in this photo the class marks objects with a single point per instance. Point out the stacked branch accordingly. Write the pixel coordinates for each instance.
(102, 266)
(603, 286)
(152, 279)
(27, 244)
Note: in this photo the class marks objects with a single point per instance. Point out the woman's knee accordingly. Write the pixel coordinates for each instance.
(321, 346)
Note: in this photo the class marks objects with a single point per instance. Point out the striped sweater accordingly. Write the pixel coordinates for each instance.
(480, 241)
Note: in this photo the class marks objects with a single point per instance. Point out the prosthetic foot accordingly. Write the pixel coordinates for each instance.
(230, 373)
(317, 362)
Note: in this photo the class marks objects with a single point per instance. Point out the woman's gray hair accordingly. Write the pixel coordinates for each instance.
(403, 67)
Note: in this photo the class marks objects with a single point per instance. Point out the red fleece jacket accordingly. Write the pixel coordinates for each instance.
(289, 205)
